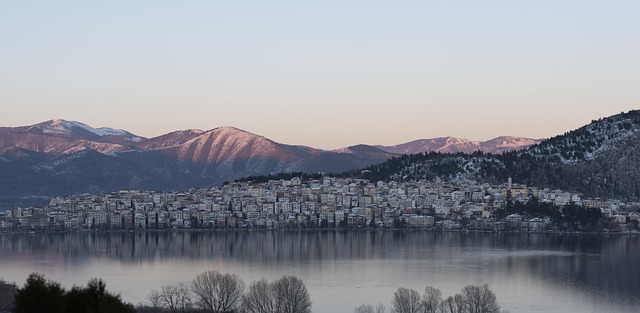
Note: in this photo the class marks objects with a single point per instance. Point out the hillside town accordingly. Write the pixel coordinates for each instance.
(329, 203)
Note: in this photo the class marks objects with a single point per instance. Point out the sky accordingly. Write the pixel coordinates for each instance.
(326, 74)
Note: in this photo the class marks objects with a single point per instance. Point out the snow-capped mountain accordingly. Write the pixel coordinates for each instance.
(168, 140)
(80, 130)
(366, 151)
(598, 159)
(229, 144)
(63, 137)
(454, 145)
(62, 127)
(230, 152)
(59, 156)
(507, 143)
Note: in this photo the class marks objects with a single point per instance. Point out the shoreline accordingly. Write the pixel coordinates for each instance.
(300, 230)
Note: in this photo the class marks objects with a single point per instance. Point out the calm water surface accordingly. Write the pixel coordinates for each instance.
(528, 272)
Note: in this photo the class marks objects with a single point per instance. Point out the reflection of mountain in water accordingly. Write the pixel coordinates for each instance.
(604, 263)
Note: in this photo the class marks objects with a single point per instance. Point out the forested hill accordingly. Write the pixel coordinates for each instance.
(598, 159)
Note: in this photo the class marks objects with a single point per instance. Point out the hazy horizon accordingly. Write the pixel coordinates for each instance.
(326, 75)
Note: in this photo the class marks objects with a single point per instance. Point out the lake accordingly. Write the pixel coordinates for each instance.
(528, 272)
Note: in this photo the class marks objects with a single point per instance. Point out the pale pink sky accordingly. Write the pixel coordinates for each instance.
(326, 74)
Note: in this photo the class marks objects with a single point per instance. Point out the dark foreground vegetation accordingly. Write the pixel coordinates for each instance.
(7, 295)
(214, 292)
(41, 295)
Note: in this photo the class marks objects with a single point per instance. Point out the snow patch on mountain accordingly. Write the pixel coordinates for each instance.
(454, 145)
(343, 150)
(225, 144)
(63, 127)
(106, 131)
(512, 142)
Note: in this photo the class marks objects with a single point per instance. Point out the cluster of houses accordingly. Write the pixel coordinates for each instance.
(294, 203)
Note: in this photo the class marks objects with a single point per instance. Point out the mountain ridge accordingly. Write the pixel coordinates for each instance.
(601, 159)
(61, 157)
(74, 130)
(65, 157)
(499, 144)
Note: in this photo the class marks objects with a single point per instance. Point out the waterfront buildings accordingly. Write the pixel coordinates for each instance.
(327, 203)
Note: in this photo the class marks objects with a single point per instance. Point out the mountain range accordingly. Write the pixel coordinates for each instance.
(65, 157)
(453, 145)
(60, 157)
(598, 159)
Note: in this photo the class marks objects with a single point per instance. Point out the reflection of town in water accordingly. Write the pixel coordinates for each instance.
(605, 263)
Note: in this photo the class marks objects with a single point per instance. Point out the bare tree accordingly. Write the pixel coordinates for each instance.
(453, 304)
(259, 298)
(447, 305)
(169, 297)
(291, 295)
(184, 297)
(364, 308)
(459, 303)
(217, 292)
(380, 308)
(406, 301)
(431, 299)
(368, 308)
(155, 300)
(286, 295)
(176, 297)
(479, 299)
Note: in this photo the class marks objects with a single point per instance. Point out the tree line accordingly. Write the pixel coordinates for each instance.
(41, 295)
(209, 291)
(212, 291)
(471, 299)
